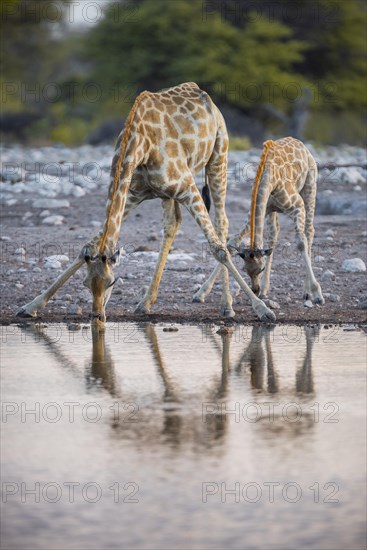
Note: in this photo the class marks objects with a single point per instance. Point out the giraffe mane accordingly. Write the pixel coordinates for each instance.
(124, 140)
(266, 146)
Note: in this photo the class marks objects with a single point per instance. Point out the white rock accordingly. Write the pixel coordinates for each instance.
(357, 188)
(354, 265)
(19, 285)
(235, 288)
(308, 304)
(328, 275)
(20, 251)
(364, 234)
(11, 202)
(200, 278)
(77, 191)
(330, 233)
(53, 220)
(53, 265)
(61, 258)
(51, 203)
(44, 213)
(5, 238)
(37, 270)
(95, 223)
(319, 259)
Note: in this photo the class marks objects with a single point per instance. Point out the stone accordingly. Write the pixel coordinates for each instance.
(271, 303)
(53, 265)
(74, 309)
(308, 304)
(62, 258)
(95, 223)
(328, 275)
(319, 259)
(334, 298)
(37, 270)
(51, 203)
(44, 213)
(53, 220)
(19, 286)
(330, 233)
(354, 265)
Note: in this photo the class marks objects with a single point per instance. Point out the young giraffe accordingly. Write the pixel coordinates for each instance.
(169, 137)
(286, 182)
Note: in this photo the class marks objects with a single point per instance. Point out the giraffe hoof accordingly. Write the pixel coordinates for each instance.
(264, 313)
(142, 308)
(269, 316)
(227, 312)
(22, 312)
(198, 299)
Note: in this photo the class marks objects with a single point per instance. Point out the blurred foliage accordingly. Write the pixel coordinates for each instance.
(238, 143)
(256, 57)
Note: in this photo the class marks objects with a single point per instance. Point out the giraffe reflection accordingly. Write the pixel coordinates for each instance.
(258, 355)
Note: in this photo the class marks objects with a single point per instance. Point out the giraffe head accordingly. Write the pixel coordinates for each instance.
(254, 259)
(100, 280)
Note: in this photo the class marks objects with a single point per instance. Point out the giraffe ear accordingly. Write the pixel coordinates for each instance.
(115, 259)
(267, 252)
(87, 254)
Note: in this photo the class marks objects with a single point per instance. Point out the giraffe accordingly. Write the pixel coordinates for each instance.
(285, 182)
(169, 136)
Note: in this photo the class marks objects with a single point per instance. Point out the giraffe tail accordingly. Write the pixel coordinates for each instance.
(205, 193)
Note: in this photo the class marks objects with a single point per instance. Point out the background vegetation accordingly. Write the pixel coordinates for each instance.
(274, 68)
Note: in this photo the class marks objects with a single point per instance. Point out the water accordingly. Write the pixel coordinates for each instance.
(142, 438)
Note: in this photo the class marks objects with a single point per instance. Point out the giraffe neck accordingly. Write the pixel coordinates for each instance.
(260, 195)
(121, 174)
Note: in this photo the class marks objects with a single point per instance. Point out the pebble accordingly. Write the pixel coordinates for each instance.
(235, 288)
(271, 303)
(74, 327)
(308, 304)
(74, 309)
(53, 265)
(200, 278)
(354, 265)
(153, 237)
(53, 220)
(37, 270)
(334, 298)
(44, 213)
(96, 223)
(61, 258)
(328, 275)
(330, 233)
(5, 238)
(19, 285)
(319, 259)
(364, 234)
(51, 203)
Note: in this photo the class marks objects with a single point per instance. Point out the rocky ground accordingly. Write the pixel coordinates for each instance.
(53, 201)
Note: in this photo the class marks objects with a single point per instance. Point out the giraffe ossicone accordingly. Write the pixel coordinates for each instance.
(168, 138)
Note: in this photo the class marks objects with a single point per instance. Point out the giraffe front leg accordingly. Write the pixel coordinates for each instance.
(273, 231)
(171, 220)
(312, 289)
(195, 205)
(217, 186)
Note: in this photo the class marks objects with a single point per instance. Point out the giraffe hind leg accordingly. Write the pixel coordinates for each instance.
(171, 222)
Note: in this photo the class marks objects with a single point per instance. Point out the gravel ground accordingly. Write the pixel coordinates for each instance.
(32, 229)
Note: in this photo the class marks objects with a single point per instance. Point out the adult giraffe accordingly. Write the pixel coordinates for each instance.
(169, 137)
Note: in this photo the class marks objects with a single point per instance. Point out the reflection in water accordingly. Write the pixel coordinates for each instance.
(163, 442)
(174, 419)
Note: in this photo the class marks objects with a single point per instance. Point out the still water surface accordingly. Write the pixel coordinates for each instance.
(141, 438)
